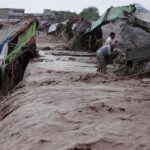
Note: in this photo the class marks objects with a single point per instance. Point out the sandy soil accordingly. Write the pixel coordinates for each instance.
(62, 104)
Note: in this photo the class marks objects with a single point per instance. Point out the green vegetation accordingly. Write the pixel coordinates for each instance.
(90, 13)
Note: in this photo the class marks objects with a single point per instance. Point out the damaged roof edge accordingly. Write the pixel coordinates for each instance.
(112, 14)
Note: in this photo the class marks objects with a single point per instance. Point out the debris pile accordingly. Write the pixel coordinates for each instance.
(132, 27)
(75, 30)
(17, 45)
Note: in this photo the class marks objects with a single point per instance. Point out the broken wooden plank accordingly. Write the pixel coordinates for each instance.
(140, 75)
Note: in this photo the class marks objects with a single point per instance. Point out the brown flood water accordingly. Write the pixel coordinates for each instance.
(62, 104)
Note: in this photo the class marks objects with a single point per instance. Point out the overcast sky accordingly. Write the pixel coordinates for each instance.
(71, 5)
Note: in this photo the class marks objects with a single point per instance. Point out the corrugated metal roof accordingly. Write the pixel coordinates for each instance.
(112, 14)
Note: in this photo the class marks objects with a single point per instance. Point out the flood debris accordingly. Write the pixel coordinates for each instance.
(69, 99)
(17, 45)
(55, 29)
(131, 25)
(63, 103)
(46, 48)
(75, 30)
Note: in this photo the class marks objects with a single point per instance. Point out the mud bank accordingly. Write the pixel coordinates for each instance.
(62, 104)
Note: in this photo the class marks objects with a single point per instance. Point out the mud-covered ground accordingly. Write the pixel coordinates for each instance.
(62, 104)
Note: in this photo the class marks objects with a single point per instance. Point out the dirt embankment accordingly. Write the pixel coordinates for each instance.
(62, 104)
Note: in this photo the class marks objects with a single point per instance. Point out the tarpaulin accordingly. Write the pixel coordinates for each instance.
(112, 14)
(126, 35)
(3, 44)
(22, 41)
(6, 34)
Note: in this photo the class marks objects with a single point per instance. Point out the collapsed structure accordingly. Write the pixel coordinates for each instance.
(17, 44)
(75, 31)
(130, 23)
(132, 27)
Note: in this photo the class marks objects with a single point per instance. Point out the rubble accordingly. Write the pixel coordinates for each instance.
(131, 26)
(17, 45)
(75, 30)
(62, 103)
(68, 99)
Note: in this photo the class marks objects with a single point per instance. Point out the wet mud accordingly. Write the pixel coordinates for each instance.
(63, 104)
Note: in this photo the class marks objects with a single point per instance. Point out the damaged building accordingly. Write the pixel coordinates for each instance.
(132, 27)
(133, 38)
(17, 45)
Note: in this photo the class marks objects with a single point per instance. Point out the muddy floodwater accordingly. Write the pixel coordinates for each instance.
(63, 104)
